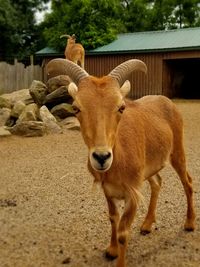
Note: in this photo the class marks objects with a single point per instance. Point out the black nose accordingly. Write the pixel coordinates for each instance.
(101, 157)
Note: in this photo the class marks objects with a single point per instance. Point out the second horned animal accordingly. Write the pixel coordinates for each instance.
(74, 51)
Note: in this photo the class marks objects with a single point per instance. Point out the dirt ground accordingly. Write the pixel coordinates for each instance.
(51, 217)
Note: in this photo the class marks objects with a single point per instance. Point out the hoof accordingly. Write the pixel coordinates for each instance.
(189, 229)
(145, 232)
(110, 256)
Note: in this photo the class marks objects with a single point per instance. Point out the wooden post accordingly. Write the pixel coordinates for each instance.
(31, 60)
(32, 73)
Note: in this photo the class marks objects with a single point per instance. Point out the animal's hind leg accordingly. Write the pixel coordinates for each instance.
(179, 164)
(155, 184)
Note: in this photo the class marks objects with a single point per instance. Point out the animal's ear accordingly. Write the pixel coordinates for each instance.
(125, 89)
(72, 90)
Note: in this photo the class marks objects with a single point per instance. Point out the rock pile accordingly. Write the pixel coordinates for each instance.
(41, 109)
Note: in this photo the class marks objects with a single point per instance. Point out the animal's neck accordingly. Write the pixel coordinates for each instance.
(70, 43)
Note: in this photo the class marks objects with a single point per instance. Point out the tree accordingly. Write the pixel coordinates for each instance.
(169, 14)
(187, 12)
(135, 15)
(8, 19)
(19, 32)
(95, 23)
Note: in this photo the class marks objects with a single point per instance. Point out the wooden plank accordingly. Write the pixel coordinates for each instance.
(17, 76)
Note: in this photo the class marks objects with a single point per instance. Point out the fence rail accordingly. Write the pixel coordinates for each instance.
(17, 76)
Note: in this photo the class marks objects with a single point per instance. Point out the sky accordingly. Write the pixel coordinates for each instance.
(40, 14)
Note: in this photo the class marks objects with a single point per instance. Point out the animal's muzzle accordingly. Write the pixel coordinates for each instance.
(101, 157)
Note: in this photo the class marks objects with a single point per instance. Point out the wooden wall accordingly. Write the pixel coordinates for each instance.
(141, 84)
(17, 76)
(158, 78)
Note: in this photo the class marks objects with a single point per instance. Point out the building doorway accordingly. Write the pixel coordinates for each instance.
(183, 78)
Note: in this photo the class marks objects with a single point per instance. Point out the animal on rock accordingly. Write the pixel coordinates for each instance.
(128, 142)
(74, 51)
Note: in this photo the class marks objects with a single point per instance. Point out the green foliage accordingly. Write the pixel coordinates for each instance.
(7, 21)
(19, 32)
(186, 12)
(169, 14)
(97, 23)
(94, 22)
(160, 15)
(136, 15)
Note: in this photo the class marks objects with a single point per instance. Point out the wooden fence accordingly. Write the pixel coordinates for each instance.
(17, 76)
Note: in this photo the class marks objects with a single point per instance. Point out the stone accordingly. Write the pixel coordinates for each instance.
(15, 96)
(11, 121)
(30, 113)
(70, 123)
(49, 121)
(45, 114)
(17, 109)
(4, 115)
(58, 81)
(4, 132)
(58, 96)
(62, 111)
(5, 103)
(38, 91)
(28, 128)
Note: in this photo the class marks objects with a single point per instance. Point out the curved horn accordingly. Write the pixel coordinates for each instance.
(65, 35)
(60, 66)
(122, 71)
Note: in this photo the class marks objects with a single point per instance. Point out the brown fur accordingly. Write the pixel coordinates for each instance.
(142, 140)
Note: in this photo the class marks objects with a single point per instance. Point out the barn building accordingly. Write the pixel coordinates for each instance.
(172, 58)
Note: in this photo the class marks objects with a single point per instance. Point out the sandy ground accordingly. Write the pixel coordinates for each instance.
(51, 217)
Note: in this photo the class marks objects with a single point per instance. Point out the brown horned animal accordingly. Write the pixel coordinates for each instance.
(128, 142)
(74, 51)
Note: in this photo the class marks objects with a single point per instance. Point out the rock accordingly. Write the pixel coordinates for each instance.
(58, 81)
(4, 115)
(58, 96)
(15, 96)
(38, 91)
(4, 132)
(11, 121)
(45, 114)
(17, 109)
(70, 123)
(30, 113)
(62, 111)
(5, 103)
(49, 121)
(28, 128)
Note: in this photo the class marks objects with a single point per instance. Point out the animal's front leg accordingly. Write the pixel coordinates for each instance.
(123, 230)
(112, 250)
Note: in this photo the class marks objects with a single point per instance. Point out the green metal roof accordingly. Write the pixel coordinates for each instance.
(152, 41)
(169, 40)
(47, 51)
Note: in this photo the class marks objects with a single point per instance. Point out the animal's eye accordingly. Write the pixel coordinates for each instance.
(122, 108)
(75, 109)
